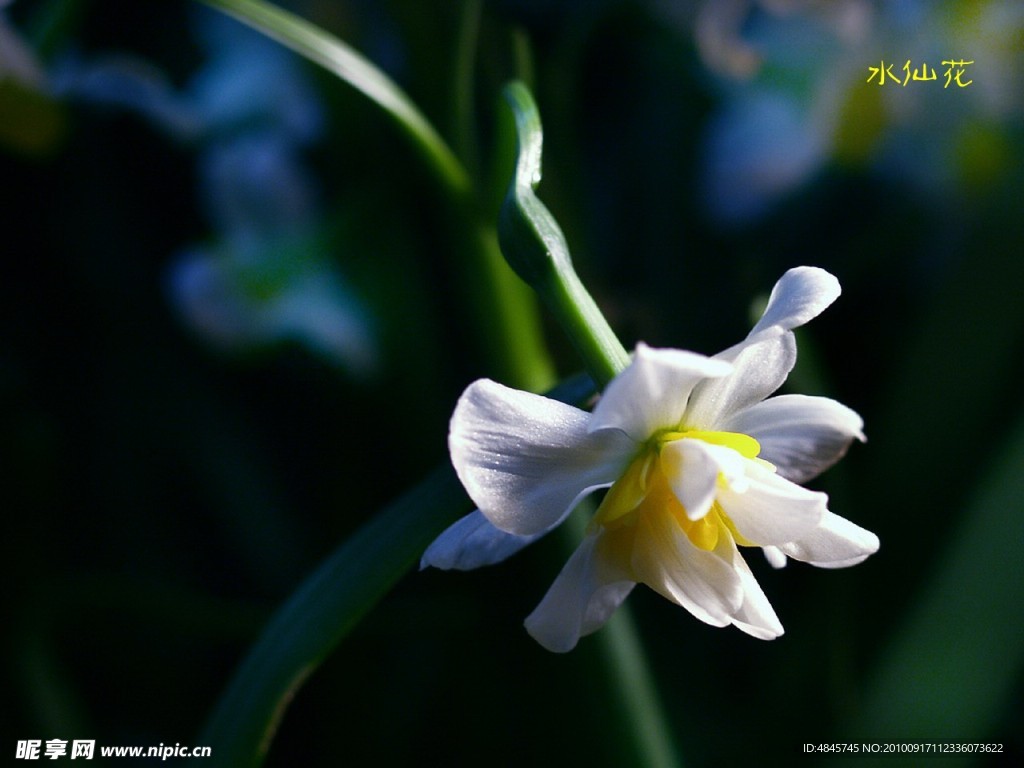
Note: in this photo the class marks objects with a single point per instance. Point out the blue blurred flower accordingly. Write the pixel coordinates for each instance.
(791, 77)
(268, 276)
(251, 82)
(17, 60)
(773, 128)
(759, 146)
(248, 82)
(238, 303)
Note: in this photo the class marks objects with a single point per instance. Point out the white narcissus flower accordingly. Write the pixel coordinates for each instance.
(697, 463)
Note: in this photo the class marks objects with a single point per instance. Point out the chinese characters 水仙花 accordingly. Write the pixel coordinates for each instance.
(954, 73)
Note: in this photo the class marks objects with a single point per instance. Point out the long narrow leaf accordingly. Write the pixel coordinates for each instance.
(952, 668)
(330, 603)
(320, 614)
(336, 56)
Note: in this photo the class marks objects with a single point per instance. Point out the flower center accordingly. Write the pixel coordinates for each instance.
(744, 445)
(644, 488)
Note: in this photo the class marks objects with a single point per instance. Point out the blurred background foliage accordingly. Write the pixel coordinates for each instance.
(236, 324)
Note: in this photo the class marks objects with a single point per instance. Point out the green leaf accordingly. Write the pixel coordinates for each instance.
(330, 603)
(337, 57)
(321, 612)
(951, 669)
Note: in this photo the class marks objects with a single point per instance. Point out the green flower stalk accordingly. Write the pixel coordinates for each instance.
(535, 248)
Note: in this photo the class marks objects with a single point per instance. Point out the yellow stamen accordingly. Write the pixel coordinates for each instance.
(644, 489)
(744, 445)
(627, 493)
(702, 533)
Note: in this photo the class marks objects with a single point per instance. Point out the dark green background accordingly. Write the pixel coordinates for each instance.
(161, 499)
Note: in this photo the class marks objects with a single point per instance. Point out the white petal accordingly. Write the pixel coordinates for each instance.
(759, 367)
(756, 616)
(763, 360)
(581, 599)
(702, 582)
(802, 436)
(835, 543)
(775, 556)
(800, 295)
(472, 542)
(652, 392)
(526, 460)
(692, 468)
(772, 510)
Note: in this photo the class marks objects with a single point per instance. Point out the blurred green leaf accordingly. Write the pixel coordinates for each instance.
(331, 602)
(462, 87)
(321, 612)
(32, 122)
(951, 669)
(337, 57)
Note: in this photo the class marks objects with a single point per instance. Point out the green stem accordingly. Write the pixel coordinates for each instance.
(514, 337)
(523, 57)
(578, 313)
(536, 249)
(462, 92)
(534, 246)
